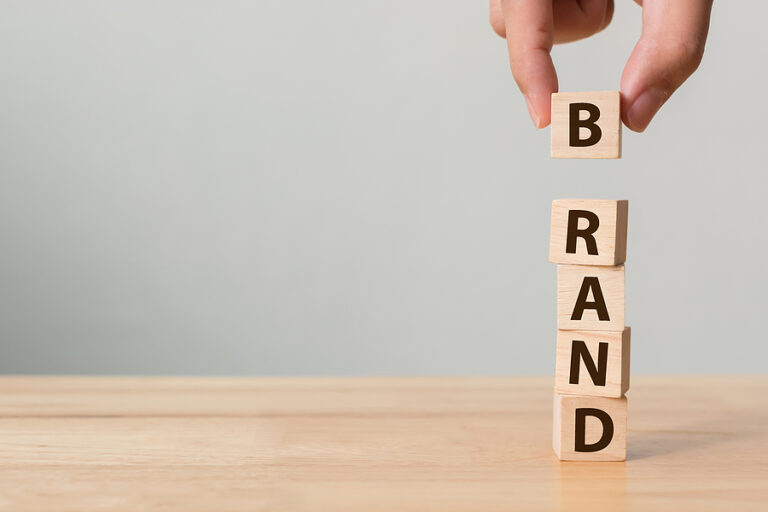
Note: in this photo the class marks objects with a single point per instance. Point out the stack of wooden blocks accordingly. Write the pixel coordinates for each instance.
(588, 241)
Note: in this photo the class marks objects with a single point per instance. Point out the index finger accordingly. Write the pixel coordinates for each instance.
(530, 35)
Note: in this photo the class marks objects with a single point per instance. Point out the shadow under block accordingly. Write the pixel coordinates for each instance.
(590, 428)
(593, 363)
(590, 298)
(588, 232)
(586, 125)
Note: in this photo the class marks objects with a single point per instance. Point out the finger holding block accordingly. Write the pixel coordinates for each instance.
(593, 363)
(586, 125)
(590, 298)
(590, 428)
(588, 232)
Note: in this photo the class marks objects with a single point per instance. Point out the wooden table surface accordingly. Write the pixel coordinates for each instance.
(370, 444)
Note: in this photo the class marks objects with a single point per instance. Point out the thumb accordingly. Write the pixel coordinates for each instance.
(669, 51)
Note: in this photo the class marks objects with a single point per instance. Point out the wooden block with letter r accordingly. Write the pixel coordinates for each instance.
(586, 125)
(593, 363)
(589, 428)
(588, 231)
(590, 298)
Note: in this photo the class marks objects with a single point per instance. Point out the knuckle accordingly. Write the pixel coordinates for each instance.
(687, 53)
(496, 18)
(497, 25)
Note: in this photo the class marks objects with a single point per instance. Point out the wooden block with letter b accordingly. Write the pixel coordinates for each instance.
(590, 298)
(586, 125)
(588, 231)
(594, 363)
(590, 428)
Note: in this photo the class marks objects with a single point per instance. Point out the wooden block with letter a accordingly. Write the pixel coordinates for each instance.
(590, 428)
(586, 125)
(590, 298)
(594, 363)
(588, 232)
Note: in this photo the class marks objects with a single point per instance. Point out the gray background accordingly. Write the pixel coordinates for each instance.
(347, 187)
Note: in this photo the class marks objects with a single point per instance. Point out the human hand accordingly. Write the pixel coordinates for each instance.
(669, 50)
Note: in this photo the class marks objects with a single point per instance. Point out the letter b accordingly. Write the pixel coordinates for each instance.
(586, 125)
(575, 124)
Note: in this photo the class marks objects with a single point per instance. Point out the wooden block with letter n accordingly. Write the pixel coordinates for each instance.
(590, 298)
(588, 232)
(586, 125)
(594, 363)
(590, 428)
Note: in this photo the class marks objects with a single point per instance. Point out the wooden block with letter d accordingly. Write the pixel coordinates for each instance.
(594, 363)
(586, 125)
(590, 298)
(590, 428)
(588, 232)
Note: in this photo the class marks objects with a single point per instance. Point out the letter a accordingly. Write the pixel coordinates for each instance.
(590, 283)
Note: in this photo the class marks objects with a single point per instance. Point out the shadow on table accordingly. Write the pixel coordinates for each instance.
(585, 485)
(643, 444)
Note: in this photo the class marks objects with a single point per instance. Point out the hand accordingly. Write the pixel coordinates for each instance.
(669, 50)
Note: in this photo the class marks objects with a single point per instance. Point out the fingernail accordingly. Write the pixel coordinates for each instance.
(532, 113)
(645, 107)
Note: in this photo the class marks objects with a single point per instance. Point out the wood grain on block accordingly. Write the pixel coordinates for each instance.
(590, 298)
(593, 363)
(590, 428)
(588, 231)
(586, 125)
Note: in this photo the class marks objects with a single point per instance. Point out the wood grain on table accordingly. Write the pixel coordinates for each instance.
(370, 444)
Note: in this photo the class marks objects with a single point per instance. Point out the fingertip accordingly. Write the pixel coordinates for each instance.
(539, 108)
(532, 112)
(639, 112)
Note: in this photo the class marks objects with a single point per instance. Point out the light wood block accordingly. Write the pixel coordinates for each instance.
(590, 428)
(588, 232)
(590, 298)
(593, 363)
(586, 125)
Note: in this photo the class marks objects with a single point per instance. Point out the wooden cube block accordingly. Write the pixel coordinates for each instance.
(590, 428)
(592, 363)
(586, 125)
(590, 298)
(588, 232)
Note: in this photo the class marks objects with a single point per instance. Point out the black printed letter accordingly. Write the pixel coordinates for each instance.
(587, 234)
(590, 123)
(596, 373)
(581, 430)
(590, 283)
